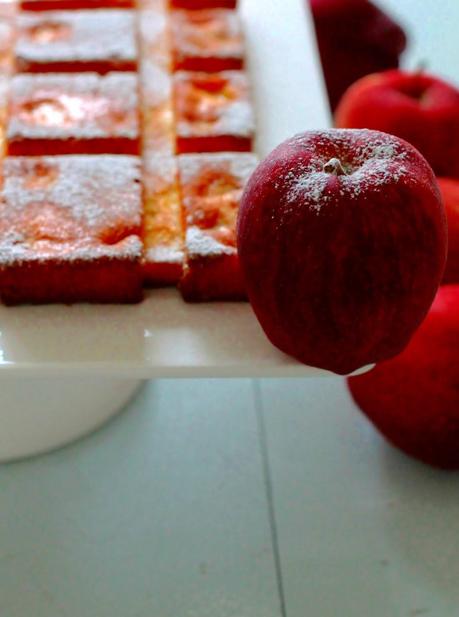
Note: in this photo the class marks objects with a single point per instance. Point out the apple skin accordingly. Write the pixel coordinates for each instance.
(449, 189)
(355, 38)
(341, 269)
(417, 107)
(413, 399)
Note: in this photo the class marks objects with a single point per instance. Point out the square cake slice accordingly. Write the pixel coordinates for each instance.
(69, 113)
(209, 41)
(57, 5)
(162, 222)
(211, 187)
(76, 41)
(70, 230)
(213, 112)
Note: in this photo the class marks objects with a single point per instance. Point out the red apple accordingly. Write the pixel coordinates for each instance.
(417, 107)
(449, 189)
(354, 38)
(342, 243)
(413, 399)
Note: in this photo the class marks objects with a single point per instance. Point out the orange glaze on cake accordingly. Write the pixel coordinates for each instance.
(73, 114)
(70, 229)
(211, 187)
(75, 41)
(213, 112)
(209, 41)
(162, 223)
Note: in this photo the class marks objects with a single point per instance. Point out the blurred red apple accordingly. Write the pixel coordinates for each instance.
(418, 107)
(413, 399)
(355, 38)
(449, 189)
(342, 243)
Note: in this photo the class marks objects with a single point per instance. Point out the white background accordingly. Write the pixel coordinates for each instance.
(238, 498)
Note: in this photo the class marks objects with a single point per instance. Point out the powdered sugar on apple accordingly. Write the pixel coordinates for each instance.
(372, 164)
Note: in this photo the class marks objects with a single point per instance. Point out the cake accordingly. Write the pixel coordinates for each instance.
(6, 46)
(211, 186)
(213, 112)
(70, 229)
(162, 222)
(154, 36)
(73, 114)
(75, 41)
(126, 135)
(209, 40)
(158, 122)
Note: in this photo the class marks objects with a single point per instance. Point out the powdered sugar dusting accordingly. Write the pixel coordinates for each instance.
(371, 161)
(16, 249)
(154, 37)
(82, 205)
(163, 254)
(200, 244)
(214, 33)
(212, 184)
(313, 185)
(239, 165)
(223, 109)
(110, 103)
(78, 36)
(162, 224)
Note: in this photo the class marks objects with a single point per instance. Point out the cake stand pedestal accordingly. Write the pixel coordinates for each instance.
(44, 413)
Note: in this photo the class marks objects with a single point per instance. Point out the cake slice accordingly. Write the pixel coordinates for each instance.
(76, 41)
(209, 41)
(213, 112)
(70, 230)
(211, 187)
(73, 114)
(162, 222)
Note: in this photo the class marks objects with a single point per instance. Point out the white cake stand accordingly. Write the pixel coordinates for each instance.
(66, 370)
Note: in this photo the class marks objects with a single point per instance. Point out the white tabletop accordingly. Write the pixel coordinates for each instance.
(235, 498)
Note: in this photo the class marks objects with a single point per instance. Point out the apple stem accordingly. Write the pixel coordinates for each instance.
(334, 166)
